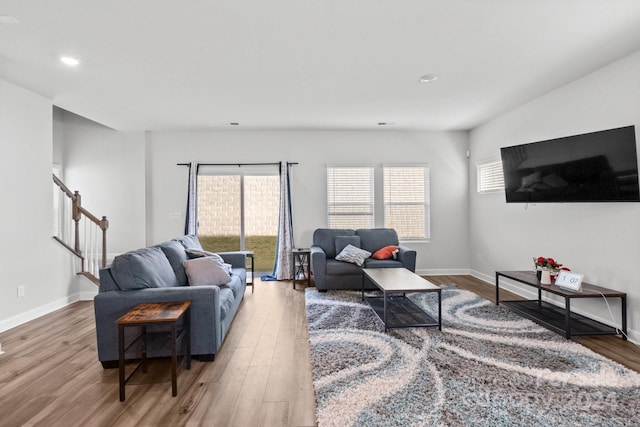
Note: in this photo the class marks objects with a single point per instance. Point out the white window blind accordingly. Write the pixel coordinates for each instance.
(490, 177)
(350, 197)
(407, 201)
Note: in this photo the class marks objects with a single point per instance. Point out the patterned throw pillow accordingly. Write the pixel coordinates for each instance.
(353, 255)
(387, 252)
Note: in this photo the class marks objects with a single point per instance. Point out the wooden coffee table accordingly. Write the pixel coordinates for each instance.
(143, 315)
(393, 308)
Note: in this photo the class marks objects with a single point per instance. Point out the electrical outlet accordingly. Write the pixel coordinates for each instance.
(20, 291)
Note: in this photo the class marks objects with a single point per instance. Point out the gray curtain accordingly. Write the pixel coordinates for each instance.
(191, 221)
(283, 267)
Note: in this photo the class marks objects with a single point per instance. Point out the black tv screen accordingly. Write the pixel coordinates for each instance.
(592, 167)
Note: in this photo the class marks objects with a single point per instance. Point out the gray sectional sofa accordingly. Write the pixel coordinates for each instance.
(156, 274)
(329, 273)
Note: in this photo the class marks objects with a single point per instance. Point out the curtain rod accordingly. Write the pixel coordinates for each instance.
(236, 164)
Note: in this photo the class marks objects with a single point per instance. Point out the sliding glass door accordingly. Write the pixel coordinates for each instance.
(238, 210)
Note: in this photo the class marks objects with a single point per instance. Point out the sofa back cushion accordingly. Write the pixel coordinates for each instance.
(176, 255)
(372, 239)
(189, 241)
(325, 238)
(143, 268)
(344, 241)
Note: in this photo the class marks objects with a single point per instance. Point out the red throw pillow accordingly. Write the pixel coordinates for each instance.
(387, 252)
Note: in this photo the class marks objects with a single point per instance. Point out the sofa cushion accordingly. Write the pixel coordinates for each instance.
(235, 284)
(325, 238)
(206, 271)
(199, 253)
(388, 252)
(189, 241)
(339, 268)
(143, 268)
(353, 255)
(226, 302)
(375, 238)
(343, 241)
(382, 263)
(176, 254)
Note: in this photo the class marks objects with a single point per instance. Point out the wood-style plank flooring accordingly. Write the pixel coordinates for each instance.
(50, 374)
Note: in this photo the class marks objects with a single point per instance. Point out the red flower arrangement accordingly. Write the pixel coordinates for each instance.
(543, 263)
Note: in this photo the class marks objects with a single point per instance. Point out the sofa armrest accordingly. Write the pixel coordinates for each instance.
(319, 265)
(206, 330)
(408, 258)
(237, 259)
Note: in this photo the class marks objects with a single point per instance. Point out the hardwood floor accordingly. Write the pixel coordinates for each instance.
(50, 374)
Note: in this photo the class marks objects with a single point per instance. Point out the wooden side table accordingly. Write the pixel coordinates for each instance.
(163, 313)
(301, 264)
(250, 255)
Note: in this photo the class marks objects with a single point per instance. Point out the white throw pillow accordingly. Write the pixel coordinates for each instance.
(206, 271)
(353, 255)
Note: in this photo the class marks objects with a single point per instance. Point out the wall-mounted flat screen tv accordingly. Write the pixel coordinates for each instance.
(592, 167)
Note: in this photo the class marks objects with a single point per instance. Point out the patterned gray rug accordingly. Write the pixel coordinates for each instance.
(488, 366)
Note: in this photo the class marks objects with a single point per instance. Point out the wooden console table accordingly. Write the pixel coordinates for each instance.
(556, 318)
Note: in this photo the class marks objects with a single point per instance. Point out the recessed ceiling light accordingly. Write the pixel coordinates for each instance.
(8, 19)
(428, 78)
(68, 60)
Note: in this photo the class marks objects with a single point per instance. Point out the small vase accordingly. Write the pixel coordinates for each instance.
(539, 274)
(546, 277)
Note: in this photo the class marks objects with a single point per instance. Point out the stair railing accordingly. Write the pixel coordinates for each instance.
(81, 232)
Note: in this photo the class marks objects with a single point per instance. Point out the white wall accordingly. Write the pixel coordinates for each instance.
(107, 167)
(601, 240)
(29, 256)
(313, 150)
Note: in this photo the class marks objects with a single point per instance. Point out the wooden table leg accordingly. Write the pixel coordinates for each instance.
(121, 360)
(174, 361)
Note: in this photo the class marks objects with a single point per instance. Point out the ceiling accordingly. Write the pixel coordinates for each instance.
(307, 64)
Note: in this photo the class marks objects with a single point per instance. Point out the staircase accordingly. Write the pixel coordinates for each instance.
(78, 230)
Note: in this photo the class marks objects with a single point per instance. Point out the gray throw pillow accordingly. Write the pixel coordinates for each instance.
(206, 271)
(353, 255)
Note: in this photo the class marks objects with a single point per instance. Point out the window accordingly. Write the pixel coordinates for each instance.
(406, 201)
(350, 197)
(403, 199)
(490, 177)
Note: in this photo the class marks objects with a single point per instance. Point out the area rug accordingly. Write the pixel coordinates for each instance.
(488, 366)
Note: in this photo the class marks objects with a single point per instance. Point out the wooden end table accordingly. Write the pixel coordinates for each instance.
(301, 264)
(163, 313)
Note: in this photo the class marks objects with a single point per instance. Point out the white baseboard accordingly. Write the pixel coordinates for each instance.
(87, 295)
(443, 272)
(33, 314)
